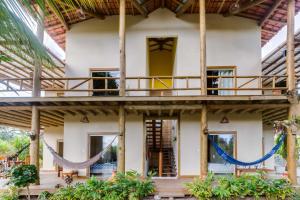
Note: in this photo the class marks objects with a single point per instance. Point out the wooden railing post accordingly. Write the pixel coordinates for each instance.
(290, 63)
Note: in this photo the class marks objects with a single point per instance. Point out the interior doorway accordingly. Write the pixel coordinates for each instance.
(161, 147)
(161, 56)
(107, 164)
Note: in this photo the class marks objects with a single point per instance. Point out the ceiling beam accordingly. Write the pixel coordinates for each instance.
(140, 8)
(243, 7)
(59, 15)
(96, 15)
(184, 7)
(270, 12)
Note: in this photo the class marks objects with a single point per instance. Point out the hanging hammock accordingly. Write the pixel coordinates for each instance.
(60, 161)
(229, 159)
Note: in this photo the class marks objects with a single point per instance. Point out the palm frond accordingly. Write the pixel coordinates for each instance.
(21, 40)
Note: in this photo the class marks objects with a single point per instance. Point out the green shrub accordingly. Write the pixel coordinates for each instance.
(11, 194)
(124, 186)
(231, 187)
(44, 195)
(23, 175)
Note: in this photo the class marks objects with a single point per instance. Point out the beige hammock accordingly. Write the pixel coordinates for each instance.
(60, 161)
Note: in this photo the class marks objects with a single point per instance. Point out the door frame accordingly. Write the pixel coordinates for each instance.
(177, 118)
(89, 134)
(57, 150)
(234, 133)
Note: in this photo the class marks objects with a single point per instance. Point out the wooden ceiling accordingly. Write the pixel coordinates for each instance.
(269, 14)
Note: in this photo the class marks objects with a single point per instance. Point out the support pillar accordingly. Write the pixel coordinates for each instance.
(203, 73)
(203, 143)
(203, 67)
(36, 92)
(121, 140)
(122, 28)
(291, 84)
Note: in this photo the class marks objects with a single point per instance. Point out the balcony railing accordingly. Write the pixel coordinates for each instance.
(149, 86)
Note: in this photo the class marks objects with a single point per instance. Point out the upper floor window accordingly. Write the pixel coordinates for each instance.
(217, 78)
(106, 84)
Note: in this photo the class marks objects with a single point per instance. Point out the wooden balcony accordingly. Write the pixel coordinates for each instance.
(146, 86)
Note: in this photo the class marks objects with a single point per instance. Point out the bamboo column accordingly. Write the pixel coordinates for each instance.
(204, 143)
(122, 29)
(203, 73)
(291, 84)
(36, 92)
(203, 67)
(121, 138)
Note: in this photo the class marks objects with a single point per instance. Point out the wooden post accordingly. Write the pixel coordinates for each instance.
(122, 47)
(291, 84)
(160, 164)
(121, 140)
(203, 69)
(36, 92)
(203, 143)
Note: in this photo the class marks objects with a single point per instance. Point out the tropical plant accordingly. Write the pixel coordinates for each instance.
(22, 176)
(202, 189)
(245, 186)
(11, 194)
(124, 186)
(45, 195)
(16, 34)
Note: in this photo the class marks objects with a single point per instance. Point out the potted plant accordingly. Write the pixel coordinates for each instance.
(22, 176)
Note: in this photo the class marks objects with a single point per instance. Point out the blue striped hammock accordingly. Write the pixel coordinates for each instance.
(229, 159)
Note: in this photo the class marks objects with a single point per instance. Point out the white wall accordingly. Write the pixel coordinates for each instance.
(269, 135)
(51, 135)
(231, 41)
(76, 138)
(190, 145)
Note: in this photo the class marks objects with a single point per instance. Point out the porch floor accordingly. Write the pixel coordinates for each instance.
(164, 187)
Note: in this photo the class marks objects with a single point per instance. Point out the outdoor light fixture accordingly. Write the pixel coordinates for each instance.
(84, 119)
(224, 120)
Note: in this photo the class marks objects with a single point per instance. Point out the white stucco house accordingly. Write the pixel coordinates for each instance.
(155, 84)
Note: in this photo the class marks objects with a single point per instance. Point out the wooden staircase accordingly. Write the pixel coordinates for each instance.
(160, 151)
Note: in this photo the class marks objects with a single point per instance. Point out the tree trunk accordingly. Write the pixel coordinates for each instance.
(28, 192)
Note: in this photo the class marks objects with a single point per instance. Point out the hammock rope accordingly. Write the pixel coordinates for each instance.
(60, 161)
(229, 159)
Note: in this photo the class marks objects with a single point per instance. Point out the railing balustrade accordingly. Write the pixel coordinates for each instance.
(152, 85)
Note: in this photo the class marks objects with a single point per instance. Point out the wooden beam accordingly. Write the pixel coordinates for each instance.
(290, 63)
(96, 15)
(203, 143)
(121, 140)
(203, 67)
(122, 29)
(270, 12)
(184, 7)
(140, 8)
(59, 16)
(243, 7)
